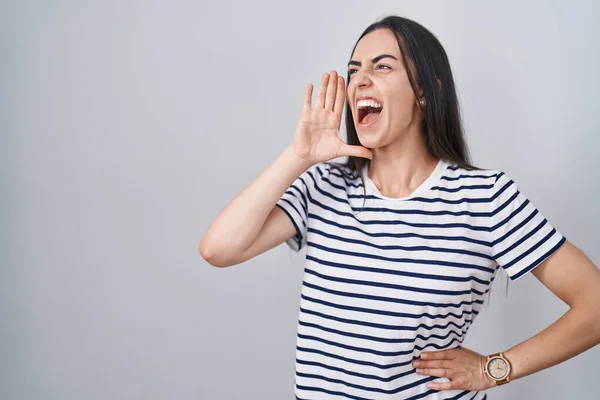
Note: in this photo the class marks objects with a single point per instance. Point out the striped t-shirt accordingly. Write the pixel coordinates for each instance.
(389, 279)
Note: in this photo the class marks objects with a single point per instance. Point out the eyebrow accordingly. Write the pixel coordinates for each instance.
(374, 60)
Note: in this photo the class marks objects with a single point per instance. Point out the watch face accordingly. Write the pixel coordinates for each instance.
(497, 368)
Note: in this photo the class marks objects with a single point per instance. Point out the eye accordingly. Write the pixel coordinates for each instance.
(352, 71)
(383, 65)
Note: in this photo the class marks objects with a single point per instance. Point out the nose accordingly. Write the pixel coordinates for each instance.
(361, 78)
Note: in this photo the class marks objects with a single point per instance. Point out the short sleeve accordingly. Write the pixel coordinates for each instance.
(521, 237)
(294, 202)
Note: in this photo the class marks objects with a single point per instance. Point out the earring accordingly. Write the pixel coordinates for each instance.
(422, 102)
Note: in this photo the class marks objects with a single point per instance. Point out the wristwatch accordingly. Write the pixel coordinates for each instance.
(498, 368)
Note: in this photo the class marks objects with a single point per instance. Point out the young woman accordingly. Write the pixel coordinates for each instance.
(404, 239)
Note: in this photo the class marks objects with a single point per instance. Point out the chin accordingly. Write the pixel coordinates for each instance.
(371, 140)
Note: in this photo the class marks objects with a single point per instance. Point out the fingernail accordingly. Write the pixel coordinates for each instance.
(419, 371)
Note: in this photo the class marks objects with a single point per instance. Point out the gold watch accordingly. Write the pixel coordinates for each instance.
(498, 368)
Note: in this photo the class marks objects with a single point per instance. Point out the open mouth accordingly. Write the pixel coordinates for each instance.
(368, 112)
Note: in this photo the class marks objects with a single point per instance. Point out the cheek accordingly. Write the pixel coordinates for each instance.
(402, 103)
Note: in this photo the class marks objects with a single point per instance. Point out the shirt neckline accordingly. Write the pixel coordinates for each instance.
(427, 184)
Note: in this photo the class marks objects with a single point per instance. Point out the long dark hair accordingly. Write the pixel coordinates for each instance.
(441, 126)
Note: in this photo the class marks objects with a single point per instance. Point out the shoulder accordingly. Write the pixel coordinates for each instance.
(484, 178)
(484, 186)
(469, 182)
(328, 182)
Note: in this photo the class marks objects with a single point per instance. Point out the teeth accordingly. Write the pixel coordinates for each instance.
(368, 103)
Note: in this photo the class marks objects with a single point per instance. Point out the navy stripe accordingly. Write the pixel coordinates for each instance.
(524, 254)
(464, 200)
(394, 271)
(335, 185)
(394, 286)
(462, 394)
(300, 191)
(384, 326)
(400, 235)
(539, 260)
(352, 373)
(510, 216)
(464, 187)
(391, 299)
(506, 203)
(298, 232)
(349, 360)
(524, 238)
(459, 336)
(447, 201)
(304, 202)
(516, 228)
(503, 189)
(371, 351)
(295, 209)
(455, 178)
(366, 388)
(424, 394)
(481, 214)
(383, 312)
(331, 392)
(398, 222)
(347, 174)
(397, 247)
(379, 339)
(404, 260)
(458, 396)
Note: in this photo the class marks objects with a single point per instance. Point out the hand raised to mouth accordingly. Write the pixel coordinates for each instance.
(317, 136)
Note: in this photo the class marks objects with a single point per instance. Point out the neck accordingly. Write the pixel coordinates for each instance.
(401, 167)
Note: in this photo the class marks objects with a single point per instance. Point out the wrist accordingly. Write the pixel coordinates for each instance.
(299, 161)
(497, 368)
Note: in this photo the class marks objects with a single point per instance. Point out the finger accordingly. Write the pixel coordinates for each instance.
(340, 97)
(435, 364)
(444, 385)
(355, 151)
(307, 106)
(437, 355)
(320, 103)
(331, 90)
(438, 372)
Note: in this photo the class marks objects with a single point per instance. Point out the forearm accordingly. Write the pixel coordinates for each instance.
(238, 224)
(573, 333)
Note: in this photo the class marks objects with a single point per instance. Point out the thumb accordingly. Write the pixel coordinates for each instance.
(355, 151)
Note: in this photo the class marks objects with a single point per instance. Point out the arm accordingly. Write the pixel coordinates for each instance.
(251, 223)
(574, 278)
(571, 276)
(229, 238)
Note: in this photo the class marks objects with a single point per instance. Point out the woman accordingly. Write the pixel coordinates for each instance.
(405, 239)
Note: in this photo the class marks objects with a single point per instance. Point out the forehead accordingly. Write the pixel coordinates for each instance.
(380, 41)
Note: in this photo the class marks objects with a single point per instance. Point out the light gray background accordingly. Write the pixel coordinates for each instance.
(127, 126)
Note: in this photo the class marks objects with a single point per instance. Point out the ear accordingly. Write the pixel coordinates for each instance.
(439, 86)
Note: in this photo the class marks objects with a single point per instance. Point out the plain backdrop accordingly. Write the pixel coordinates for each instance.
(127, 126)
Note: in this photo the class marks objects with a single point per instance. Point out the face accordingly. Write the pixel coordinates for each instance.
(381, 99)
